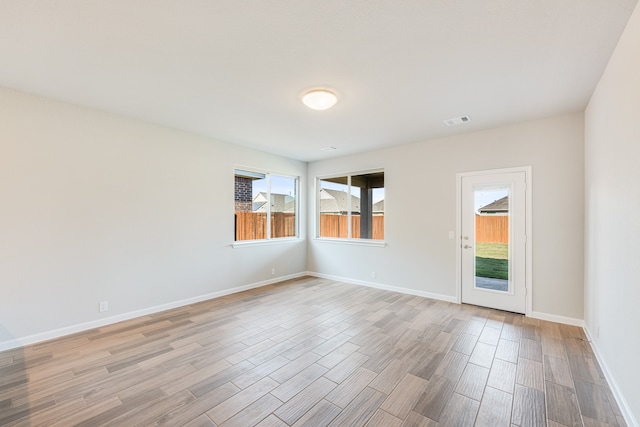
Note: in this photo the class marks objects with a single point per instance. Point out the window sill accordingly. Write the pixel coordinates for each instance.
(357, 242)
(250, 243)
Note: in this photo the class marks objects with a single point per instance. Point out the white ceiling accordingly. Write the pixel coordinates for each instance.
(234, 70)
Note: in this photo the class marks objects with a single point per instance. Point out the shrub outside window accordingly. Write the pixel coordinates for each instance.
(351, 206)
(266, 206)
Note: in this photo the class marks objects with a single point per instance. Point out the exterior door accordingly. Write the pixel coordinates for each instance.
(493, 240)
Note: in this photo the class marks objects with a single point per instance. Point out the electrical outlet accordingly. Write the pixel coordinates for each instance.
(273, 271)
(104, 306)
(452, 235)
(373, 274)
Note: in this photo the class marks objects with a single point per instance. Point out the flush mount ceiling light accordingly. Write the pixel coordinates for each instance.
(319, 99)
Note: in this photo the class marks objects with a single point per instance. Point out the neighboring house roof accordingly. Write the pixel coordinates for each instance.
(378, 207)
(496, 207)
(258, 207)
(279, 202)
(331, 201)
(335, 201)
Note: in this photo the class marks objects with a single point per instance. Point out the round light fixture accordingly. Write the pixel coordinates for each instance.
(319, 99)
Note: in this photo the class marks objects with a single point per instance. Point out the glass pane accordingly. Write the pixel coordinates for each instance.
(492, 238)
(378, 214)
(368, 217)
(283, 207)
(250, 205)
(356, 201)
(333, 207)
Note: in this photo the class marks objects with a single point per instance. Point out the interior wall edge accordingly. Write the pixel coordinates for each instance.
(617, 393)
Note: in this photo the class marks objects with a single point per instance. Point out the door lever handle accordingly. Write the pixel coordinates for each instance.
(467, 247)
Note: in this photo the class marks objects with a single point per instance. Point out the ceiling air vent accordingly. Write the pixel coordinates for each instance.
(457, 120)
(330, 148)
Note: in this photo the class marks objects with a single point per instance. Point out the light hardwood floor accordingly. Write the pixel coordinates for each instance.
(311, 352)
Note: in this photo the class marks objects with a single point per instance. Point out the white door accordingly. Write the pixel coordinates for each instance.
(493, 240)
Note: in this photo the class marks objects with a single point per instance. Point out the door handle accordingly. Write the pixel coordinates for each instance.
(467, 246)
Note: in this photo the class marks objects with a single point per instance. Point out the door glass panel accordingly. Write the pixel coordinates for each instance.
(491, 205)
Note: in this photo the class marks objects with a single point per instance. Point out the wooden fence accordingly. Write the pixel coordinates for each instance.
(336, 226)
(492, 229)
(253, 225)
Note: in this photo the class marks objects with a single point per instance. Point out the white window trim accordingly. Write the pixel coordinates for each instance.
(270, 240)
(276, 241)
(348, 239)
(356, 242)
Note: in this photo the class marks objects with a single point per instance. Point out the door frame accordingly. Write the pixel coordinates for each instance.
(528, 231)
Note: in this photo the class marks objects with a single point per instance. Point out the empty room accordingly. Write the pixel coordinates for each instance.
(319, 213)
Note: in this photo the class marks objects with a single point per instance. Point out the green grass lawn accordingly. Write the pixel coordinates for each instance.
(492, 260)
(493, 268)
(492, 250)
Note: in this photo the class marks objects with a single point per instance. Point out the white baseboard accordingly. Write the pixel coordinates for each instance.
(558, 319)
(447, 298)
(61, 332)
(629, 418)
(392, 288)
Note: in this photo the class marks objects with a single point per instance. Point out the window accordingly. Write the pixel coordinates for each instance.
(351, 206)
(266, 206)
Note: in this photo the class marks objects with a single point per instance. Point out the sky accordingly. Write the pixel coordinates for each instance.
(279, 185)
(484, 197)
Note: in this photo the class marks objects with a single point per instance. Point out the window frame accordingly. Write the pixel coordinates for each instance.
(268, 240)
(344, 240)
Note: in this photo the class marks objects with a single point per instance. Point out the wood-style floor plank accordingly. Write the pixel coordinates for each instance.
(557, 371)
(460, 411)
(383, 419)
(528, 407)
(344, 393)
(319, 416)
(530, 374)
(236, 403)
(404, 396)
(300, 404)
(502, 376)
(562, 405)
(433, 400)
(417, 420)
(358, 412)
(508, 350)
(473, 381)
(254, 413)
(201, 421)
(311, 352)
(495, 409)
(594, 402)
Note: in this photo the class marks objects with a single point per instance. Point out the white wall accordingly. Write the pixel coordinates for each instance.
(100, 207)
(420, 209)
(96, 207)
(612, 229)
